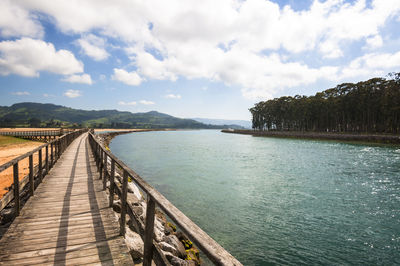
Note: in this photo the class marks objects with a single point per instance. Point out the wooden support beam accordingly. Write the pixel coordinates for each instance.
(47, 159)
(123, 203)
(149, 232)
(105, 172)
(112, 184)
(31, 181)
(16, 189)
(40, 175)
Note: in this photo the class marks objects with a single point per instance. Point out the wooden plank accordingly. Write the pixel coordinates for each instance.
(79, 253)
(52, 251)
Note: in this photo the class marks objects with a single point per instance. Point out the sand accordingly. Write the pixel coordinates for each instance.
(11, 151)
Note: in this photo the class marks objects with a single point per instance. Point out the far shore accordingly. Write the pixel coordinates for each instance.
(352, 137)
(108, 136)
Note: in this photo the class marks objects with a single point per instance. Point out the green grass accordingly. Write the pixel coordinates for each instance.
(7, 140)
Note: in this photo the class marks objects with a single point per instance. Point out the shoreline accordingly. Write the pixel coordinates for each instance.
(108, 136)
(361, 138)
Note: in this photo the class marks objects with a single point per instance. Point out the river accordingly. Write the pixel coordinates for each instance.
(277, 201)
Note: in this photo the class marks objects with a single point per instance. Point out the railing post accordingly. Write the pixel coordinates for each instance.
(51, 154)
(40, 175)
(58, 144)
(112, 176)
(47, 159)
(101, 164)
(149, 231)
(123, 202)
(98, 155)
(105, 172)
(16, 189)
(31, 181)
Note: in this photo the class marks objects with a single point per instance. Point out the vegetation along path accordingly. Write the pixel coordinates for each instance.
(67, 221)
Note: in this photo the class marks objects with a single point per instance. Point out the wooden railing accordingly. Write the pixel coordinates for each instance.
(53, 151)
(57, 132)
(217, 254)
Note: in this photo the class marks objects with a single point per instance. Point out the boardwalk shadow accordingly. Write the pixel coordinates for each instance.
(103, 249)
(62, 238)
(100, 234)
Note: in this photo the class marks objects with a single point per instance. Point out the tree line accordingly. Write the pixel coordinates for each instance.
(371, 106)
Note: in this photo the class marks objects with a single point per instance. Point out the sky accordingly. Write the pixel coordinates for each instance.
(190, 58)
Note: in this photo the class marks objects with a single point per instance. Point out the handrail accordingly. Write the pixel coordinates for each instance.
(37, 133)
(217, 254)
(53, 151)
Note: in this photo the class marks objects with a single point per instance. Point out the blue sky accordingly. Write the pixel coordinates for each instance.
(210, 59)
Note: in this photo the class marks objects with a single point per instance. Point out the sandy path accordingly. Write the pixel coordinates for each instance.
(9, 152)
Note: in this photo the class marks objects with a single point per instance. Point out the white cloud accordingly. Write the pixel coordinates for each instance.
(73, 93)
(173, 96)
(373, 64)
(84, 79)
(27, 57)
(16, 21)
(231, 41)
(21, 93)
(126, 103)
(129, 78)
(93, 47)
(374, 42)
(147, 102)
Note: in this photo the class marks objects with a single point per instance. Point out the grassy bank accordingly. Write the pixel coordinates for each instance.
(7, 140)
(367, 138)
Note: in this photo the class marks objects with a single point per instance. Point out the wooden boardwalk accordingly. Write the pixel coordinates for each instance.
(67, 221)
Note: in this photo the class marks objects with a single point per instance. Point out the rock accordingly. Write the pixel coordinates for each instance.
(132, 198)
(134, 243)
(168, 230)
(193, 255)
(175, 261)
(117, 206)
(7, 215)
(174, 241)
(159, 229)
(137, 210)
(184, 240)
(167, 247)
(132, 188)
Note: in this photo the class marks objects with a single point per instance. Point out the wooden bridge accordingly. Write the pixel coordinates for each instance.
(41, 135)
(67, 219)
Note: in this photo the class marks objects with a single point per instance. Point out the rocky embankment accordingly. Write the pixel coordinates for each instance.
(373, 138)
(174, 245)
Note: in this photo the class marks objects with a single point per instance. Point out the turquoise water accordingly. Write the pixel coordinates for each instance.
(277, 201)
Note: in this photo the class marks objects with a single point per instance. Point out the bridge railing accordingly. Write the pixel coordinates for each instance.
(53, 151)
(217, 254)
(37, 133)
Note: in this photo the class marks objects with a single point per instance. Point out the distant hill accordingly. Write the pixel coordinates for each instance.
(223, 122)
(50, 115)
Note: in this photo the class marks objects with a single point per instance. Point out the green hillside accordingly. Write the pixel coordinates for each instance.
(49, 115)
